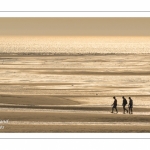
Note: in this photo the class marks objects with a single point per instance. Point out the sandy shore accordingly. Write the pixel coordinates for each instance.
(73, 93)
(69, 121)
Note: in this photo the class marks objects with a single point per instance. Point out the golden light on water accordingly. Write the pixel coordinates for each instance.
(74, 44)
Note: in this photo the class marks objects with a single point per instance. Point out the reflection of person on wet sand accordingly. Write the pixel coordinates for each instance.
(124, 105)
(130, 105)
(114, 105)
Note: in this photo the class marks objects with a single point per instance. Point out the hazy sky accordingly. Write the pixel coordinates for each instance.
(75, 26)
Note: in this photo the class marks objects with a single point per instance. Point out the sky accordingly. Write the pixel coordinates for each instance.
(75, 26)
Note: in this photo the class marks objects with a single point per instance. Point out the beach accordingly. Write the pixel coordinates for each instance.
(73, 91)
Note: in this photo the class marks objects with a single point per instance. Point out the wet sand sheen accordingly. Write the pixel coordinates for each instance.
(53, 116)
(77, 123)
(77, 129)
(74, 122)
(62, 93)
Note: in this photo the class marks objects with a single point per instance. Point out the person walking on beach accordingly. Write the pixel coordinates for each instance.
(130, 105)
(124, 103)
(114, 105)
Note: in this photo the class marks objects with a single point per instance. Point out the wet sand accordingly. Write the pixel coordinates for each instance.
(73, 93)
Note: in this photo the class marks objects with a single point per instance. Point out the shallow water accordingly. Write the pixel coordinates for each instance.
(94, 82)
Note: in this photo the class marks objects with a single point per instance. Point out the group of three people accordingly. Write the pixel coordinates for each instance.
(124, 103)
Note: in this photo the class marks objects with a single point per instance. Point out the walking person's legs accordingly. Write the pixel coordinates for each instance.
(123, 109)
(112, 109)
(126, 110)
(116, 110)
(129, 110)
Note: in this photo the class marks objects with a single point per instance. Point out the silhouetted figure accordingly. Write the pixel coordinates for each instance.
(114, 105)
(130, 105)
(124, 103)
